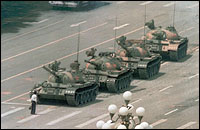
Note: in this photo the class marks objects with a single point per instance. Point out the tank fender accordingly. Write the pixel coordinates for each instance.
(102, 78)
(142, 64)
(70, 91)
(173, 47)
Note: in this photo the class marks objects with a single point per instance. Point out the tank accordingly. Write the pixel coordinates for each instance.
(166, 42)
(108, 71)
(144, 63)
(70, 86)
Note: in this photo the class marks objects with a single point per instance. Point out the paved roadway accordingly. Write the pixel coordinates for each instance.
(171, 98)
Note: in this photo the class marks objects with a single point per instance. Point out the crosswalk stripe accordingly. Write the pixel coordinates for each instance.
(166, 88)
(145, 3)
(193, 76)
(136, 101)
(34, 116)
(192, 6)
(121, 2)
(169, 4)
(12, 111)
(171, 112)
(63, 118)
(92, 120)
(186, 125)
(159, 122)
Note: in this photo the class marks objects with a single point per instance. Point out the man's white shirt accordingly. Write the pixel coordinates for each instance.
(34, 97)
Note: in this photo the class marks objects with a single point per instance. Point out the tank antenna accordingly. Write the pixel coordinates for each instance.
(75, 25)
(174, 13)
(115, 32)
(144, 21)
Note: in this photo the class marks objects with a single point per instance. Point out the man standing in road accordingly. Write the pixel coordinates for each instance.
(33, 102)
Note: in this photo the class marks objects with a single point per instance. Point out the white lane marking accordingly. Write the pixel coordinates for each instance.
(186, 125)
(72, 54)
(164, 63)
(63, 118)
(195, 48)
(34, 116)
(192, 6)
(121, 2)
(15, 97)
(42, 21)
(136, 101)
(12, 111)
(186, 30)
(166, 88)
(13, 103)
(77, 24)
(193, 76)
(28, 118)
(32, 31)
(145, 3)
(170, 112)
(92, 120)
(124, 25)
(197, 100)
(169, 4)
(159, 122)
(190, 28)
(51, 42)
(36, 22)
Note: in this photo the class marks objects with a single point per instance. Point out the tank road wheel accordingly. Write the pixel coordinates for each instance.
(39, 100)
(82, 98)
(173, 55)
(125, 83)
(77, 99)
(90, 95)
(87, 96)
(120, 84)
(150, 71)
(94, 94)
(117, 84)
(112, 85)
(185, 51)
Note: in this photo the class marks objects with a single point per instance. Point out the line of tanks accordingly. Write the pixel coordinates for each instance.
(112, 71)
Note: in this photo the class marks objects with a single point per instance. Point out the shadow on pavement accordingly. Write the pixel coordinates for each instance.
(64, 104)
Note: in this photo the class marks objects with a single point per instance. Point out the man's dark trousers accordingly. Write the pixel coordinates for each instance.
(33, 107)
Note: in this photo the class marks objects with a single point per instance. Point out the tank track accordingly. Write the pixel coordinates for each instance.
(83, 96)
(116, 85)
(151, 70)
(180, 53)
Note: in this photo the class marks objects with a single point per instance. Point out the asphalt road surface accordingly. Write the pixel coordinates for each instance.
(171, 98)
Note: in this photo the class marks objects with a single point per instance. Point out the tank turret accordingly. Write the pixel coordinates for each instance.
(107, 69)
(150, 24)
(57, 77)
(132, 50)
(166, 41)
(55, 66)
(136, 56)
(70, 86)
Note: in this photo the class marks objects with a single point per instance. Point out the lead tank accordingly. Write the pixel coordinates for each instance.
(108, 71)
(166, 41)
(135, 56)
(70, 86)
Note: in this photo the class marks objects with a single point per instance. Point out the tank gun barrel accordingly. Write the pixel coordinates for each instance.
(123, 46)
(51, 71)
